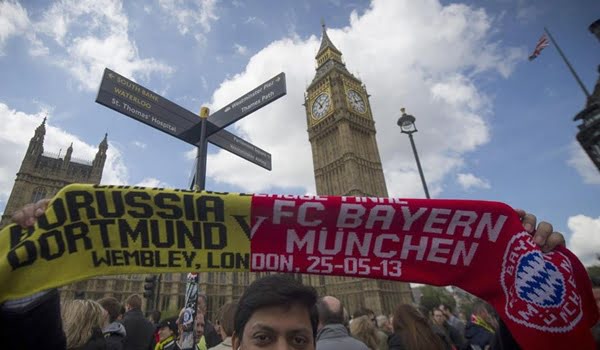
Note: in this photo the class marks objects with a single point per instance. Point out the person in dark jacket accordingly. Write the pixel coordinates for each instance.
(332, 334)
(167, 333)
(412, 331)
(140, 332)
(33, 321)
(114, 332)
(481, 328)
(447, 332)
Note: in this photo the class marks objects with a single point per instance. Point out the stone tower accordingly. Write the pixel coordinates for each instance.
(346, 162)
(42, 174)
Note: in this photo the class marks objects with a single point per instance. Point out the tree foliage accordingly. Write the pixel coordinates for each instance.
(594, 273)
(432, 297)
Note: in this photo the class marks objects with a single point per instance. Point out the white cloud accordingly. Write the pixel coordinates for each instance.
(585, 238)
(18, 128)
(191, 15)
(254, 20)
(240, 49)
(527, 12)
(419, 55)
(583, 164)
(90, 55)
(14, 21)
(88, 36)
(469, 181)
(139, 144)
(153, 182)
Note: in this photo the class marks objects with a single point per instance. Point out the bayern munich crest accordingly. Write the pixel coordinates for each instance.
(539, 288)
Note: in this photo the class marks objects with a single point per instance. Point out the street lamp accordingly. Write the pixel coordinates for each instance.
(407, 126)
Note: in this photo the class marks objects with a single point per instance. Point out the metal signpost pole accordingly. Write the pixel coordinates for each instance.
(193, 279)
(202, 148)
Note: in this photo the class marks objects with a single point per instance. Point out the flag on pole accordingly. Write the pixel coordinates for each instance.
(541, 44)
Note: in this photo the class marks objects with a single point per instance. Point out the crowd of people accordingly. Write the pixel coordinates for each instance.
(275, 312)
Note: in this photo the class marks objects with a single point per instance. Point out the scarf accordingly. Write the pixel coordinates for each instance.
(544, 299)
(481, 322)
(163, 343)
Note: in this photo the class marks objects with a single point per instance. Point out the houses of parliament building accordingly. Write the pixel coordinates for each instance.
(346, 161)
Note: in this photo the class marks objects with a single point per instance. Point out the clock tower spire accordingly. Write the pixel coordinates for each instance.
(341, 129)
(346, 161)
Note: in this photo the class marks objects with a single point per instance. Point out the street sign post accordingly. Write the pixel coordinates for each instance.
(135, 101)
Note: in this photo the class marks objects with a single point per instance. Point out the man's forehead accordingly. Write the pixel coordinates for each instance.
(275, 327)
(278, 317)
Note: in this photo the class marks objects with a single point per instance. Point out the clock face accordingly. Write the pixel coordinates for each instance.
(321, 106)
(356, 101)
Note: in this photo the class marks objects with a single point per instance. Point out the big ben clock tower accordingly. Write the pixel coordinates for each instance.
(346, 161)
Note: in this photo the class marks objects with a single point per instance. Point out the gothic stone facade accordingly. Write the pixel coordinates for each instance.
(346, 162)
(42, 174)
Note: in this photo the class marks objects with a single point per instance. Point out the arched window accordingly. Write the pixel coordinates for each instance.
(38, 193)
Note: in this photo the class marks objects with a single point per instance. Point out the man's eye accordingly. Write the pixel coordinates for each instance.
(262, 338)
(299, 341)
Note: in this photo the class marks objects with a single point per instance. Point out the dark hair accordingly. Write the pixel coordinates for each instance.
(327, 316)
(447, 307)
(155, 316)
(112, 306)
(362, 312)
(134, 301)
(225, 317)
(414, 330)
(275, 290)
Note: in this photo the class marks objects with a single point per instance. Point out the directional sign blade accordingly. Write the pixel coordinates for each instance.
(261, 96)
(173, 126)
(144, 105)
(114, 83)
(241, 148)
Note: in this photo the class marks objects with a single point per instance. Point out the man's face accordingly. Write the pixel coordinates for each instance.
(387, 326)
(444, 310)
(199, 325)
(438, 317)
(277, 327)
(201, 305)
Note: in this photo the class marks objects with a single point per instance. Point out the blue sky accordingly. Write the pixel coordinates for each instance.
(491, 124)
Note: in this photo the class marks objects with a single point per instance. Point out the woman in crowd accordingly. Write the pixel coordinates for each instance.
(412, 331)
(363, 329)
(83, 321)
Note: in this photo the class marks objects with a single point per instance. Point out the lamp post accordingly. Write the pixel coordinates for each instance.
(407, 126)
